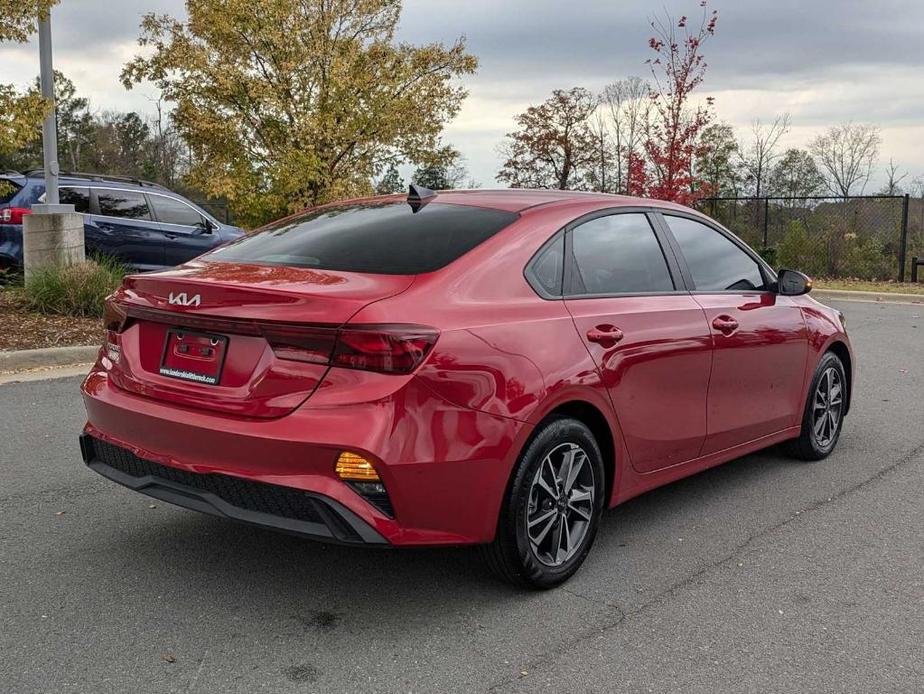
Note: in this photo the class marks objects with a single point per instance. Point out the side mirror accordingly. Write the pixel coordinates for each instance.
(792, 283)
(207, 226)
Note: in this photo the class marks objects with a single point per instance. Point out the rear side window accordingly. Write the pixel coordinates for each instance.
(716, 263)
(123, 203)
(387, 238)
(173, 211)
(78, 197)
(8, 190)
(618, 254)
(545, 272)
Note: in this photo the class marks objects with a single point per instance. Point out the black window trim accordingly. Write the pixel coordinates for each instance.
(766, 272)
(94, 203)
(95, 208)
(150, 195)
(650, 213)
(529, 272)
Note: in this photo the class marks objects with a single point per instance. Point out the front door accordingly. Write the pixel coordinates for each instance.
(759, 337)
(186, 234)
(648, 339)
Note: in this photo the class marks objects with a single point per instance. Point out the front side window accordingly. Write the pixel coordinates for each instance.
(377, 237)
(618, 254)
(123, 203)
(715, 261)
(173, 211)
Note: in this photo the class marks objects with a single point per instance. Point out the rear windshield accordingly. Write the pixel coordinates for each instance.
(387, 238)
(8, 190)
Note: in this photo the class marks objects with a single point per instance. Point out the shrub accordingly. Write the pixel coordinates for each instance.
(72, 290)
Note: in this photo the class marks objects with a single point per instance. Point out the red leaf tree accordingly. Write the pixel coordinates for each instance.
(673, 143)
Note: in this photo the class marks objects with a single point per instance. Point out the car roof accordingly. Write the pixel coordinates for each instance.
(522, 199)
(94, 179)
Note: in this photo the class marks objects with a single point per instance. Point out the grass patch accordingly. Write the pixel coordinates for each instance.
(72, 290)
(871, 286)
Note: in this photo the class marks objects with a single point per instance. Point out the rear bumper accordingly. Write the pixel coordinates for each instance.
(445, 468)
(256, 503)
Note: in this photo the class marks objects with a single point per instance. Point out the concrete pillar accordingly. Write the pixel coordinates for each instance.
(51, 239)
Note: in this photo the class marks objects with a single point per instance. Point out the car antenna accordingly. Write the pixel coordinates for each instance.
(418, 196)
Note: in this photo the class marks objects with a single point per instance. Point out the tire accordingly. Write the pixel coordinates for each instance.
(814, 443)
(542, 470)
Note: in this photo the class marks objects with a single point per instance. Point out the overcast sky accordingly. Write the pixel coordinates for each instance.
(823, 61)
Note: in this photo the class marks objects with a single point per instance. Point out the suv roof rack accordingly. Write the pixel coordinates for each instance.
(12, 174)
(98, 177)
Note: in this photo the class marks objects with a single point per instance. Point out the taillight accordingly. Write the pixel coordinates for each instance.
(298, 343)
(395, 349)
(385, 348)
(114, 316)
(13, 215)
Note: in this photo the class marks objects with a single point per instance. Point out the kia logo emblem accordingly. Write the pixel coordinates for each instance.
(182, 299)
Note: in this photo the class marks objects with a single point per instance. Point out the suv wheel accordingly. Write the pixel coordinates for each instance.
(552, 509)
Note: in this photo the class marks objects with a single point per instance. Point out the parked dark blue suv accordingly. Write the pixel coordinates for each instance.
(141, 224)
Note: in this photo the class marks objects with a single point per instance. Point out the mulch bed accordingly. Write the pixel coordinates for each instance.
(22, 329)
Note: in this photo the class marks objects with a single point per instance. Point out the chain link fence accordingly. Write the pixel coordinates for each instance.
(857, 237)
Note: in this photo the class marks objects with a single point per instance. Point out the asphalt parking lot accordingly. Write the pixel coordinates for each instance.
(762, 575)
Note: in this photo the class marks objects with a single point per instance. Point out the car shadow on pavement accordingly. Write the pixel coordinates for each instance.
(192, 547)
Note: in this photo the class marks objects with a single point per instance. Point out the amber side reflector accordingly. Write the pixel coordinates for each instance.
(352, 466)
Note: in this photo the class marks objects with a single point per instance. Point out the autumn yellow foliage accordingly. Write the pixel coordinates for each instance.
(291, 103)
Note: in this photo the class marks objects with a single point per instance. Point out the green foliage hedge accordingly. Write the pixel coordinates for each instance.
(72, 290)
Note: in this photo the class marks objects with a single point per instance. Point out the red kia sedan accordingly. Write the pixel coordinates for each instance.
(468, 367)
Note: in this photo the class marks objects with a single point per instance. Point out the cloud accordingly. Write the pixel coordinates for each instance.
(823, 61)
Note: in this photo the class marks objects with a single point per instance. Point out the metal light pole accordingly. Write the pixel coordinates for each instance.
(49, 126)
(53, 233)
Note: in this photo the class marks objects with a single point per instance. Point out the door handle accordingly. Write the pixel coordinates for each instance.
(725, 324)
(606, 335)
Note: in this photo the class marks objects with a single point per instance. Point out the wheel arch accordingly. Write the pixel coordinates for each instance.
(593, 418)
(841, 350)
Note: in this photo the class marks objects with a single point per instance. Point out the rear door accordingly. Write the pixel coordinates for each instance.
(186, 234)
(121, 226)
(646, 334)
(760, 339)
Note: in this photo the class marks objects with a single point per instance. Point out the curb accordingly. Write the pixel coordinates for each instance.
(46, 358)
(876, 297)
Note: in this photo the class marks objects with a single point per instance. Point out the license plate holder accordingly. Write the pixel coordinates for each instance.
(193, 356)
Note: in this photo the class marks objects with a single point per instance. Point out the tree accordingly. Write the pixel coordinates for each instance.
(796, 175)
(21, 113)
(673, 138)
(603, 173)
(715, 160)
(391, 182)
(20, 18)
(757, 159)
(846, 154)
(285, 104)
(893, 184)
(628, 102)
(554, 145)
(446, 174)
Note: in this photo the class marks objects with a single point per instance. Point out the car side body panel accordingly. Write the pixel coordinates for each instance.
(446, 438)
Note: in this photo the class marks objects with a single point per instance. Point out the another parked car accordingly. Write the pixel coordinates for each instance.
(141, 224)
(469, 367)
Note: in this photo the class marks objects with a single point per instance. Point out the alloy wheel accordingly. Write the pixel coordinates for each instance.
(561, 504)
(827, 406)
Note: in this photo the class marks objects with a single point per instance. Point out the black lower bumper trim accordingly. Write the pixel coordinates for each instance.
(257, 503)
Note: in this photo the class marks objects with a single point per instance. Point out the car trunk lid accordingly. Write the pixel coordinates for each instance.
(200, 336)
